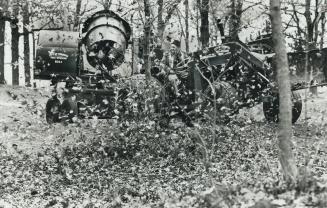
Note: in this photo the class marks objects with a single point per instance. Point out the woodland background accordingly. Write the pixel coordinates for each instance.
(133, 162)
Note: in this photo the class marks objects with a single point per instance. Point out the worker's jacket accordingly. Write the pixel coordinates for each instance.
(175, 64)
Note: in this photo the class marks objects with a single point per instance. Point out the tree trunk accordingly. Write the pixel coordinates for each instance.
(161, 23)
(26, 22)
(307, 14)
(204, 28)
(312, 24)
(323, 25)
(187, 33)
(323, 31)
(2, 39)
(235, 19)
(14, 46)
(285, 104)
(77, 14)
(147, 31)
(3, 14)
(198, 5)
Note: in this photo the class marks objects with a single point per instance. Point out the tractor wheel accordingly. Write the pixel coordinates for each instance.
(52, 110)
(69, 109)
(296, 106)
(271, 108)
(226, 97)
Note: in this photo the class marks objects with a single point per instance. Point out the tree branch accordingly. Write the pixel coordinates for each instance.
(251, 6)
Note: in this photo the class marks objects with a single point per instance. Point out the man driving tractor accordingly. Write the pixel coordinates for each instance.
(171, 65)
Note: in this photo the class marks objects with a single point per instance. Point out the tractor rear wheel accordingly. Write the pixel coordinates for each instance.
(69, 109)
(271, 108)
(52, 110)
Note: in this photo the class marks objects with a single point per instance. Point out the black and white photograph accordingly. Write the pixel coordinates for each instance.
(163, 103)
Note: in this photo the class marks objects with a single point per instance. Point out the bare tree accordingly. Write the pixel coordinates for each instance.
(163, 21)
(285, 106)
(235, 18)
(305, 19)
(323, 25)
(236, 15)
(26, 22)
(14, 43)
(77, 13)
(312, 24)
(187, 33)
(204, 28)
(147, 32)
(3, 15)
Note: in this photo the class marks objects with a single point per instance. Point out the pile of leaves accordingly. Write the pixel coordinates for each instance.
(134, 162)
(139, 164)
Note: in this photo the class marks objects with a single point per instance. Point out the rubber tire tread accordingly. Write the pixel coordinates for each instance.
(52, 117)
(271, 111)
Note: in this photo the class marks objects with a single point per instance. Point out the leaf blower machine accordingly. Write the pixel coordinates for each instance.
(80, 64)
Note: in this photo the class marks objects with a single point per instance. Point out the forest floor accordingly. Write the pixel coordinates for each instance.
(135, 163)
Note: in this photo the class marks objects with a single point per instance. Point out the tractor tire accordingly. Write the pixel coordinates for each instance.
(271, 108)
(69, 109)
(52, 110)
(226, 97)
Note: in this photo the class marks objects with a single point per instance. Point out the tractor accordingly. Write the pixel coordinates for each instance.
(222, 80)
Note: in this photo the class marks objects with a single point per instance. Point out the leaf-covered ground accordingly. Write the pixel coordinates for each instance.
(135, 163)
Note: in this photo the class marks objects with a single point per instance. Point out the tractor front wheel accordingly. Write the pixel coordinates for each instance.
(271, 107)
(225, 102)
